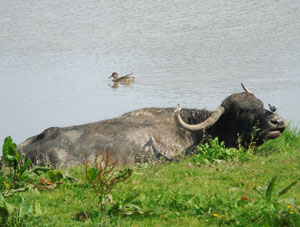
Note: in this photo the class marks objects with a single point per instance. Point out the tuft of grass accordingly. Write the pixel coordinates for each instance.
(216, 152)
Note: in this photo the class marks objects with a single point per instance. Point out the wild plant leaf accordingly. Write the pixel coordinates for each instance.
(41, 169)
(115, 208)
(6, 144)
(3, 214)
(92, 173)
(5, 207)
(260, 191)
(131, 208)
(286, 189)
(124, 174)
(125, 207)
(25, 166)
(55, 175)
(10, 154)
(132, 205)
(130, 198)
(9, 158)
(71, 179)
(270, 188)
(34, 190)
(10, 148)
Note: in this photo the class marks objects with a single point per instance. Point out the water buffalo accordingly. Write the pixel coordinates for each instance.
(157, 132)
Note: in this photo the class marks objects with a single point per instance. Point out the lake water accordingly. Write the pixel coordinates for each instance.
(56, 55)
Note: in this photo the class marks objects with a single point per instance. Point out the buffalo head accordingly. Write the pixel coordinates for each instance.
(240, 116)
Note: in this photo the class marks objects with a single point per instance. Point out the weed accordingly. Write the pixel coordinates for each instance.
(215, 152)
(268, 194)
(269, 210)
(103, 177)
(14, 160)
(127, 206)
(17, 215)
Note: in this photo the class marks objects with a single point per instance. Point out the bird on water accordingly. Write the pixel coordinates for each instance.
(127, 78)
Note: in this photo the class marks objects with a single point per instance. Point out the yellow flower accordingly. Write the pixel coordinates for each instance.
(6, 185)
(291, 212)
(227, 219)
(288, 206)
(218, 216)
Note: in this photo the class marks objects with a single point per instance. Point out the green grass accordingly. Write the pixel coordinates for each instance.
(182, 193)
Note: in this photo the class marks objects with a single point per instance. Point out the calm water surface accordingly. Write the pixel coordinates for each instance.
(56, 55)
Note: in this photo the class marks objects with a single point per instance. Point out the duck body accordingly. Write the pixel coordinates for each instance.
(125, 79)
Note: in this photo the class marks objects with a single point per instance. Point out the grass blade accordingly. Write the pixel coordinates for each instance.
(286, 189)
(270, 188)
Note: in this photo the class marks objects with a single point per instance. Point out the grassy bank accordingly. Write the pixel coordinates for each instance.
(234, 190)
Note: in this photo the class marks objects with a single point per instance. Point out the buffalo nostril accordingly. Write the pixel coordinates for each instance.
(277, 121)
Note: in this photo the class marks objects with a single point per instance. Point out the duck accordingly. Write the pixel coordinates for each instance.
(125, 79)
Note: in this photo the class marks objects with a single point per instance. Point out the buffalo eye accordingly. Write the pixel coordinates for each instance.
(239, 112)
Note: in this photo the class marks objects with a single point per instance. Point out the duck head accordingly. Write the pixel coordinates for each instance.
(114, 75)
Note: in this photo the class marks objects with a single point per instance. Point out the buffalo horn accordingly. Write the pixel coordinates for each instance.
(215, 115)
(246, 89)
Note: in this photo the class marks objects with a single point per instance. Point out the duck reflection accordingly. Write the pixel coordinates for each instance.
(116, 84)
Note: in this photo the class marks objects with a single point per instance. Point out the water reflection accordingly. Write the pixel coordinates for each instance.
(116, 84)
